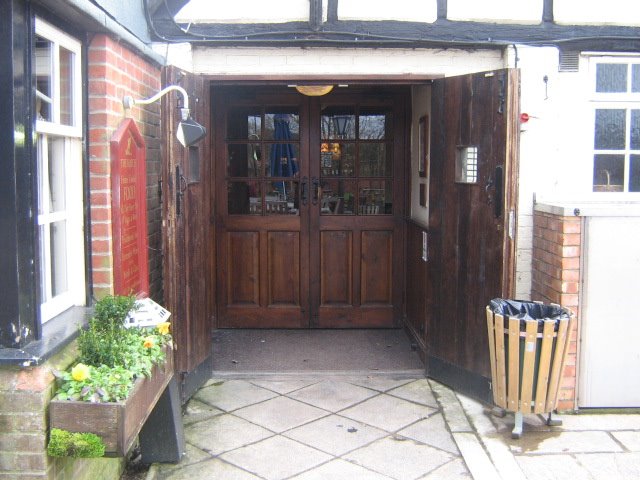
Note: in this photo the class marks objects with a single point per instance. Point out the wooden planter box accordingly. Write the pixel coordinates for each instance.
(117, 423)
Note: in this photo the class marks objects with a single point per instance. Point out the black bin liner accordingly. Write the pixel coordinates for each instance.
(524, 310)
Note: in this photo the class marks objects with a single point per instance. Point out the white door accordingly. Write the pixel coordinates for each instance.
(610, 353)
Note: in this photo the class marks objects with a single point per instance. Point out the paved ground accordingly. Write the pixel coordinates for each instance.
(386, 426)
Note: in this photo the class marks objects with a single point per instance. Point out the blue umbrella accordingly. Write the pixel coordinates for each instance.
(283, 162)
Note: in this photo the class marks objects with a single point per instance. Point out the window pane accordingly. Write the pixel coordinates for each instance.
(610, 129)
(337, 159)
(244, 198)
(373, 125)
(282, 160)
(282, 198)
(66, 87)
(635, 78)
(608, 173)
(244, 123)
(58, 257)
(42, 62)
(634, 174)
(338, 123)
(611, 77)
(375, 160)
(635, 129)
(57, 189)
(281, 124)
(375, 198)
(244, 160)
(43, 257)
(338, 197)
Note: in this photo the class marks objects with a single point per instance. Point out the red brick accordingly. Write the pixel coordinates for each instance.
(100, 214)
(101, 246)
(102, 277)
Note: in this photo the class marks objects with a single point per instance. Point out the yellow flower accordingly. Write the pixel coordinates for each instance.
(80, 372)
(163, 328)
(149, 342)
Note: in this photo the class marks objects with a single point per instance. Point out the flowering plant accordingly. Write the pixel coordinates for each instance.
(112, 356)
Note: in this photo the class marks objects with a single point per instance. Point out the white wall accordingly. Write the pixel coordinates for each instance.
(244, 11)
(597, 12)
(347, 61)
(398, 10)
(496, 11)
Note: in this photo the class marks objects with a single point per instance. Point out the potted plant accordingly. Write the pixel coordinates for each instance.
(118, 377)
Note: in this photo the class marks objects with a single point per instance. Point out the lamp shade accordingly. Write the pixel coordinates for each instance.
(190, 132)
(314, 90)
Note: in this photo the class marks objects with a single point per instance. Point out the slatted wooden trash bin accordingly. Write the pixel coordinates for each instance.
(528, 344)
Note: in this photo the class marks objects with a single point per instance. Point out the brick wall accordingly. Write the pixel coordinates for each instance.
(556, 279)
(115, 71)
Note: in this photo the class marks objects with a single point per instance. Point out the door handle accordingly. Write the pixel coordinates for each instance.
(316, 190)
(303, 192)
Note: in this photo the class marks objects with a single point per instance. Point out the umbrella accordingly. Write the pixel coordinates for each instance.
(283, 161)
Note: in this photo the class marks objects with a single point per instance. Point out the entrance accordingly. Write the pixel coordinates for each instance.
(309, 207)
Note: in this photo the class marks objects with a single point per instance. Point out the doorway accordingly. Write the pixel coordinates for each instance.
(309, 206)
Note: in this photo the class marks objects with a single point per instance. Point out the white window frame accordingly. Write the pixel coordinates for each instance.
(614, 100)
(71, 152)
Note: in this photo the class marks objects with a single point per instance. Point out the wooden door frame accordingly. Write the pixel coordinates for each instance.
(355, 82)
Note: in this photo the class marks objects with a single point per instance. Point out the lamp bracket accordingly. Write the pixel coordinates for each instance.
(128, 101)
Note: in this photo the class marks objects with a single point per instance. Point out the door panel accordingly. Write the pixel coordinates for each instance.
(284, 268)
(185, 214)
(336, 260)
(474, 135)
(243, 267)
(376, 267)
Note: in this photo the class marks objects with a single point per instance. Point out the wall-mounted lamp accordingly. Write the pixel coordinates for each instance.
(189, 131)
(314, 90)
(340, 123)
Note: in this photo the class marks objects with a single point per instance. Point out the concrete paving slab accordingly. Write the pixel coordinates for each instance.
(381, 383)
(335, 435)
(610, 422)
(213, 468)
(418, 391)
(621, 466)
(475, 457)
(630, 440)
(388, 413)
(402, 459)
(453, 470)
(552, 467)
(533, 443)
(276, 458)
(283, 386)
(224, 433)
(196, 411)
(280, 414)
(433, 432)
(192, 455)
(339, 469)
(453, 413)
(229, 395)
(333, 395)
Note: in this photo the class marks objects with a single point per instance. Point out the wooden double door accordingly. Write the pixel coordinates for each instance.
(309, 207)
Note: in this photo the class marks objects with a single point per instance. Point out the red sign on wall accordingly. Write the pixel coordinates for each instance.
(129, 210)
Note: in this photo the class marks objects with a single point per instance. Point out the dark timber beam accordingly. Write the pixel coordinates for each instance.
(18, 323)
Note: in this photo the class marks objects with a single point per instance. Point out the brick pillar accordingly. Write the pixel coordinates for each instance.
(556, 279)
(115, 71)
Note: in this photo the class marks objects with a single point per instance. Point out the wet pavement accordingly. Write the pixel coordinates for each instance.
(385, 426)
